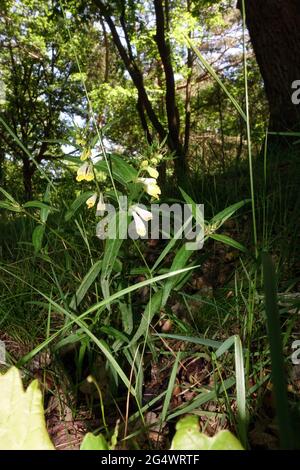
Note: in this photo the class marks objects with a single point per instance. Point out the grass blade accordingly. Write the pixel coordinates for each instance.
(240, 390)
(277, 361)
(170, 389)
(215, 76)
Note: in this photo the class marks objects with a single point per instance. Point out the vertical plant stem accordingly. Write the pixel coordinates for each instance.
(248, 126)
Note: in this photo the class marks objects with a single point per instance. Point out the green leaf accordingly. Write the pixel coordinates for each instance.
(91, 442)
(127, 317)
(39, 205)
(37, 237)
(228, 241)
(8, 196)
(22, 422)
(240, 390)
(85, 285)
(179, 262)
(151, 309)
(225, 346)
(170, 388)
(224, 215)
(111, 251)
(203, 398)
(194, 207)
(192, 339)
(274, 330)
(188, 437)
(10, 207)
(79, 201)
(122, 171)
(45, 211)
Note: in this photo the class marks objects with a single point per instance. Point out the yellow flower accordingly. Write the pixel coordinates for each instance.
(85, 172)
(144, 164)
(85, 154)
(140, 215)
(91, 201)
(154, 161)
(151, 186)
(152, 172)
(80, 141)
(146, 167)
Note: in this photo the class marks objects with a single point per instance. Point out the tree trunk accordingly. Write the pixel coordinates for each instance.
(28, 171)
(2, 158)
(274, 27)
(144, 105)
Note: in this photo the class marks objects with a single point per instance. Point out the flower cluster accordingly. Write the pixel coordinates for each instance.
(86, 171)
(150, 184)
(149, 181)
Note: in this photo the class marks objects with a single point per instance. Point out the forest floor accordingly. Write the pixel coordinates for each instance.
(207, 303)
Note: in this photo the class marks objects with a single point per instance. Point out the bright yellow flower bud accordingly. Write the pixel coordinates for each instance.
(144, 164)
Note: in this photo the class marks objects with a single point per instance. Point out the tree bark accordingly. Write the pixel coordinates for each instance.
(274, 27)
(2, 158)
(164, 49)
(28, 171)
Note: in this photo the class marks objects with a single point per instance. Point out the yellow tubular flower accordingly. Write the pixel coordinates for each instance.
(85, 172)
(85, 154)
(152, 172)
(91, 201)
(151, 187)
(146, 167)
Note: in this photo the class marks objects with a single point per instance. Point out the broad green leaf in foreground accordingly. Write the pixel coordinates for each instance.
(91, 442)
(189, 437)
(22, 422)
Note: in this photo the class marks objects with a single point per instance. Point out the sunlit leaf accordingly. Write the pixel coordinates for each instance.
(189, 437)
(91, 442)
(22, 422)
